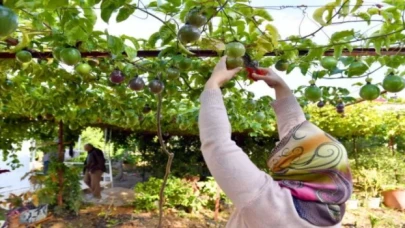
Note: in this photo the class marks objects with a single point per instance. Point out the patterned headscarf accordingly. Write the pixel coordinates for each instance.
(314, 167)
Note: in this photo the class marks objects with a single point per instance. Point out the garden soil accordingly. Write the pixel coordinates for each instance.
(115, 210)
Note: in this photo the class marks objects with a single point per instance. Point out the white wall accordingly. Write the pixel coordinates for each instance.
(12, 181)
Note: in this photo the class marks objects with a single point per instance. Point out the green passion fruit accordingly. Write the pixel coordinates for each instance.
(393, 83)
(232, 62)
(173, 73)
(357, 68)
(369, 92)
(313, 93)
(185, 64)
(235, 49)
(281, 65)
(329, 62)
(83, 69)
(70, 56)
(196, 18)
(260, 116)
(8, 21)
(188, 34)
(24, 56)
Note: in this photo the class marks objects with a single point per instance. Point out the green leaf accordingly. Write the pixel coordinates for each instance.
(347, 60)
(314, 54)
(304, 66)
(115, 45)
(336, 71)
(125, 12)
(337, 52)
(53, 4)
(319, 74)
(291, 67)
(175, 3)
(153, 39)
(244, 9)
(364, 16)
(359, 3)
(131, 52)
(338, 36)
(108, 7)
(211, 43)
(263, 13)
(344, 91)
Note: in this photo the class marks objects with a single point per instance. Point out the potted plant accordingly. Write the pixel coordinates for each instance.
(394, 196)
(394, 193)
(352, 203)
(371, 181)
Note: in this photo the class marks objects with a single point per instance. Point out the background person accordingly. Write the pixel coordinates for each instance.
(310, 177)
(94, 167)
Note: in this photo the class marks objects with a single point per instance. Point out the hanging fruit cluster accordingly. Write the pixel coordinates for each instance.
(234, 52)
(340, 107)
(190, 32)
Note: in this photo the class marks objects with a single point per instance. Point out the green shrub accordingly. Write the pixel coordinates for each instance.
(179, 194)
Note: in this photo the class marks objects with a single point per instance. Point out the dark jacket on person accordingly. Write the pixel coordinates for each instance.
(95, 161)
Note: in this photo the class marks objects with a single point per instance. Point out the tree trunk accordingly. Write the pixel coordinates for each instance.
(391, 144)
(61, 157)
(120, 174)
(355, 152)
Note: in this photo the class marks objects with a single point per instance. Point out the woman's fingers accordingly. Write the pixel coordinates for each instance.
(267, 70)
(258, 76)
(236, 70)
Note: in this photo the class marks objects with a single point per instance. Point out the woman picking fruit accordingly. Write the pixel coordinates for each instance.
(310, 177)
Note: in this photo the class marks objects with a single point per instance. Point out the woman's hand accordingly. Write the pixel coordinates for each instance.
(271, 78)
(221, 74)
(274, 81)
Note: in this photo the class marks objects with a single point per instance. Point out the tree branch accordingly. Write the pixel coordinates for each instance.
(157, 18)
(362, 76)
(169, 160)
(32, 15)
(329, 21)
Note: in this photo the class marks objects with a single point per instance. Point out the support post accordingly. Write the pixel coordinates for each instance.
(61, 157)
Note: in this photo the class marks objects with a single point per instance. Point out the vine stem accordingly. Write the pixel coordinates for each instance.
(329, 21)
(169, 160)
(157, 18)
